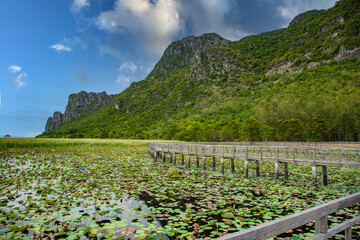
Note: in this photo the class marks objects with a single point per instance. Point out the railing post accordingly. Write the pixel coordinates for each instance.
(214, 160)
(204, 158)
(286, 165)
(222, 161)
(163, 157)
(156, 156)
(246, 163)
(277, 164)
(232, 161)
(325, 178)
(348, 233)
(174, 158)
(189, 159)
(321, 225)
(257, 167)
(314, 168)
(182, 154)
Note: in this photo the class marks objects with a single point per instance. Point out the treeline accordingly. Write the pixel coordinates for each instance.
(253, 130)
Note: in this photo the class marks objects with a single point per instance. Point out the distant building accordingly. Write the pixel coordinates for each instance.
(7, 136)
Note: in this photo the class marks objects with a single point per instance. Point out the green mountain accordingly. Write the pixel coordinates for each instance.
(297, 83)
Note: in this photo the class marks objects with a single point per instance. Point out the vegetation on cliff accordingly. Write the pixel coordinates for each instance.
(296, 83)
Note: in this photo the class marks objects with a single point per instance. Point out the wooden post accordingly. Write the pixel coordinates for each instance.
(182, 154)
(314, 168)
(174, 158)
(232, 165)
(286, 165)
(277, 165)
(232, 161)
(156, 156)
(246, 163)
(197, 161)
(214, 160)
(348, 234)
(257, 168)
(293, 154)
(204, 163)
(189, 163)
(313, 174)
(163, 157)
(321, 225)
(325, 178)
(222, 165)
(171, 158)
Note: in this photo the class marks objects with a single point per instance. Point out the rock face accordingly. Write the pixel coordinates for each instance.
(180, 53)
(78, 104)
(83, 101)
(54, 122)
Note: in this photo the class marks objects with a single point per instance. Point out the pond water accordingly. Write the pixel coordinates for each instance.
(118, 217)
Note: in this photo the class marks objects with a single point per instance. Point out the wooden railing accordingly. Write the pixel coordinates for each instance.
(318, 213)
(316, 156)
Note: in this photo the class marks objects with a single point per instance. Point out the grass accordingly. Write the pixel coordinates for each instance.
(67, 142)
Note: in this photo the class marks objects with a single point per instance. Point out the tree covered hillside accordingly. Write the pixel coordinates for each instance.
(296, 83)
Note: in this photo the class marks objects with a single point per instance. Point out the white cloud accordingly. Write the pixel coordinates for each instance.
(79, 4)
(129, 66)
(123, 79)
(204, 16)
(14, 69)
(61, 47)
(156, 23)
(18, 81)
(289, 9)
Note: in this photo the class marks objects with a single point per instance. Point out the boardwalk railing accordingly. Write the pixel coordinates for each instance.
(316, 156)
(319, 214)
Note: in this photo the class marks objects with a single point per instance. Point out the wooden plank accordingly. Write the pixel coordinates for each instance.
(281, 225)
(343, 226)
(336, 229)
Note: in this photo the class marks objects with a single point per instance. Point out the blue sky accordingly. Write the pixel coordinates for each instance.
(52, 48)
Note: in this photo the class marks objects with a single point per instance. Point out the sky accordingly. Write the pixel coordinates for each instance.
(52, 48)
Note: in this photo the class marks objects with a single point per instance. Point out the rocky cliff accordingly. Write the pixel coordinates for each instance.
(207, 88)
(78, 104)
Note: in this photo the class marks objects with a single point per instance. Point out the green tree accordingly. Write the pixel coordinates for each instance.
(318, 129)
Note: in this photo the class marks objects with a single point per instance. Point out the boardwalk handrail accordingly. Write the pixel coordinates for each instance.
(318, 213)
(319, 156)
(315, 156)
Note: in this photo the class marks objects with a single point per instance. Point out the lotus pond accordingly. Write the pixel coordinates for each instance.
(92, 189)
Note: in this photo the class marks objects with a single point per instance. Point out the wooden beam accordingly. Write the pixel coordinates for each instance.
(281, 225)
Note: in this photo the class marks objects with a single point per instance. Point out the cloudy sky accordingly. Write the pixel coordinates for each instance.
(52, 48)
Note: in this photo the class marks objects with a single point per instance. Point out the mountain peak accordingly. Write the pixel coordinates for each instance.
(179, 53)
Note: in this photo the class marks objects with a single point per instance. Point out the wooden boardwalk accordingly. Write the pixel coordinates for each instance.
(315, 156)
(318, 213)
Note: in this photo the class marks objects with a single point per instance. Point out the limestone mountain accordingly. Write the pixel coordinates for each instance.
(297, 83)
(78, 104)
